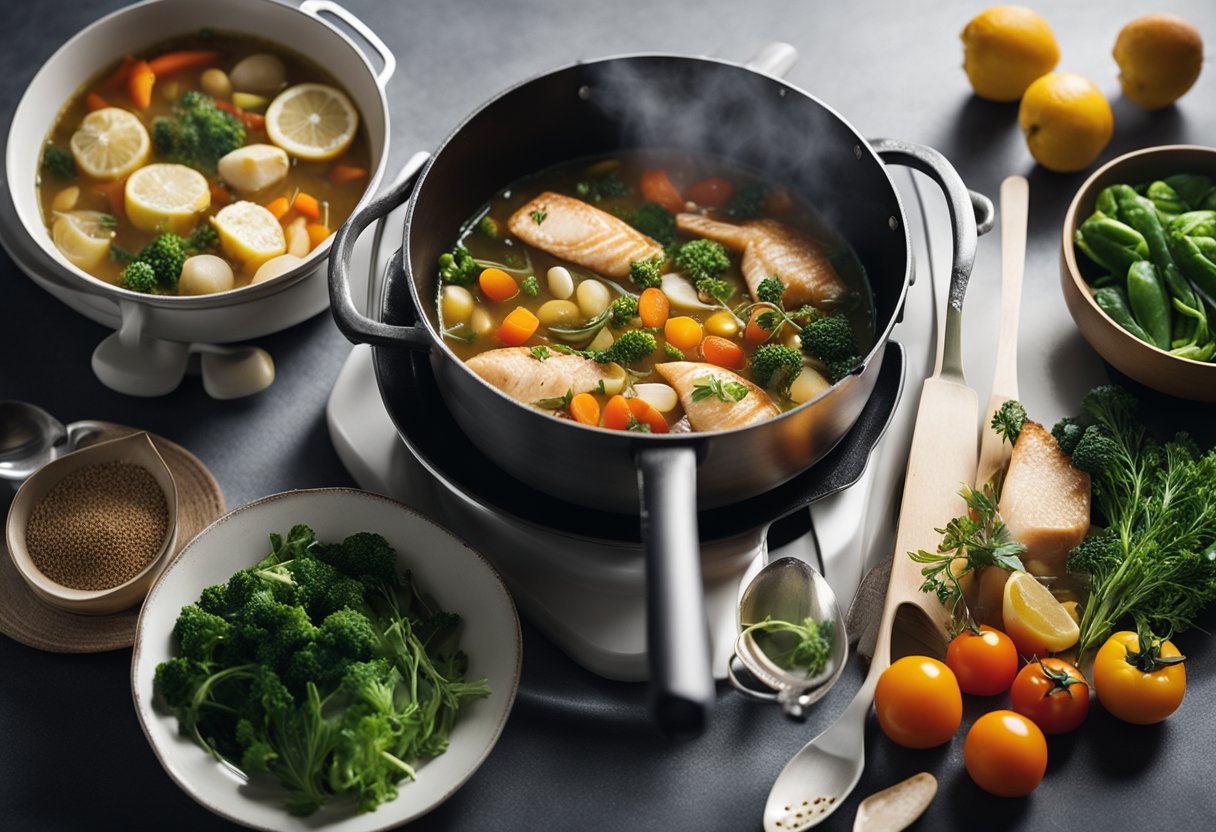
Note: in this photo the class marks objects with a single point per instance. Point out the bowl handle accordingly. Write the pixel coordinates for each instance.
(355, 326)
(388, 61)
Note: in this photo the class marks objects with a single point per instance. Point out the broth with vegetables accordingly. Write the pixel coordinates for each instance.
(201, 164)
(654, 292)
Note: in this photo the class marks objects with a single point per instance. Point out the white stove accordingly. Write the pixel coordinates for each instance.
(588, 595)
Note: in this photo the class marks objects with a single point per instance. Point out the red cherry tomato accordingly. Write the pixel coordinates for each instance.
(712, 193)
(1005, 754)
(984, 663)
(918, 702)
(1053, 694)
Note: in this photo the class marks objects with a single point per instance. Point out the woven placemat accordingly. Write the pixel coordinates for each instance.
(27, 619)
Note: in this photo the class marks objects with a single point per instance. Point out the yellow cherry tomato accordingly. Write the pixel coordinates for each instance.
(918, 702)
(1134, 687)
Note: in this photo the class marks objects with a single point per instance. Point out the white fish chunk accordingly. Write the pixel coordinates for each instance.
(711, 413)
(524, 378)
(581, 233)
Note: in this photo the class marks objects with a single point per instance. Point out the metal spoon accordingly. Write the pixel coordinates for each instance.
(788, 589)
(30, 438)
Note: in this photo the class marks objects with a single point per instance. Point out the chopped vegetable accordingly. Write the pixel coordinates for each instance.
(279, 207)
(497, 285)
(654, 221)
(624, 310)
(1008, 419)
(653, 307)
(251, 120)
(672, 352)
(202, 239)
(746, 203)
(632, 346)
(317, 234)
(830, 338)
(343, 172)
(701, 259)
(182, 61)
(617, 414)
(656, 187)
(489, 226)
(95, 102)
(517, 327)
(645, 273)
(307, 205)
(775, 366)
(530, 286)
(585, 410)
(724, 353)
(139, 84)
(645, 417)
(198, 134)
(162, 259)
(138, 276)
(791, 644)
(683, 332)
(711, 385)
(540, 353)
(601, 187)
(538, 216)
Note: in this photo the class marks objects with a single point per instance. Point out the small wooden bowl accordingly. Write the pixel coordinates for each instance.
(1152, 367)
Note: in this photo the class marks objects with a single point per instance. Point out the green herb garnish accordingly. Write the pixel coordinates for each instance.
(538, 216)
(711, 385)
(540, 353)
(557, 402)
(790, 644)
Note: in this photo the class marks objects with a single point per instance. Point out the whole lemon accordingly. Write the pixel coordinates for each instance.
(1067, 121)
(1159, 57)
(1004, 49)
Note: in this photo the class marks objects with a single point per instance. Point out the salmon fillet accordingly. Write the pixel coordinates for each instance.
(774, 248)
(1044, 500)
(514, 371)
(711, 413)
(573, 230)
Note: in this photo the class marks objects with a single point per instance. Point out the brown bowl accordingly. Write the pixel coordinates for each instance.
(1152, 367)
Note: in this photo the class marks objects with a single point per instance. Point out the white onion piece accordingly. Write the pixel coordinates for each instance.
(602, 340)
(615, 382)
(681, 294)
(662, 397)
(809, 385)
(296, 234)
(561, 284)
(276, 266)
(205, 274)
(456, 304)
(260, 73)
(254, 167)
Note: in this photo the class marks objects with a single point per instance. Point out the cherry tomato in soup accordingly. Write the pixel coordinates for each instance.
(1005, 754)
(984, 663)
(712, 193)
(656, 187)
(1141, 681)
(724, 353)
(1052, 694)
(918, 702)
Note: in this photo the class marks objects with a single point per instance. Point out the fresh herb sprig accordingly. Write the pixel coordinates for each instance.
(729, 392)
(791, 644)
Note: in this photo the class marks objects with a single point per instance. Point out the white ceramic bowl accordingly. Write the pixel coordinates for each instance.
(459, 579)
(224, 317)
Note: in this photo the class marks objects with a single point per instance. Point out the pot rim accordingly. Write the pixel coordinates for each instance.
(76, 279)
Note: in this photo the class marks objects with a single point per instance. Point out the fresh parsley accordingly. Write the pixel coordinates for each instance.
(557, 402)
(791, 644)
(729, 392)
(636, 426)
(540, 353)
(538, 216)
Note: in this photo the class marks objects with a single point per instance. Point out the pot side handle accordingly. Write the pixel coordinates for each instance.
(359, 328)
(388, 62)
(681, 689)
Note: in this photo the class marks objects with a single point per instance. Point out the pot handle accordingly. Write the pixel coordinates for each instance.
(681, 689)
(971, 214)
(359, 328)
(387, 60)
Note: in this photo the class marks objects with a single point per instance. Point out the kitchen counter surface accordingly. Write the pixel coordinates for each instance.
(74, 756)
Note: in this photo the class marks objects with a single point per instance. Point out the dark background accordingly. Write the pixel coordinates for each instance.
(72, 755)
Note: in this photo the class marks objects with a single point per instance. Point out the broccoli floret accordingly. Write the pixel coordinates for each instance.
(700, 259)
(831, 339)
(746, 203)
(530, 286)
(457, 267)
(601, 187)
(323, 589)
(624, 309)
(198, 133)
(645, 273)
(489, 226)
(365, 556)
(632, 346)
(716, 288)
(176, 681)
(1067, 433)
(673, 353)
(58, 163)
(199, 632)
(1109, 404)
(202, 239)
(770, 290)
(271, 631)
(1096, 452)
(349, 634)
(372, 683)
(1008, 420)
(775, 366)
(656, 222)
(214, 599)
(1096, 555)
(139, 277)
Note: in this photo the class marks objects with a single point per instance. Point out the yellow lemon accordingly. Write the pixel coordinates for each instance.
(249, 234)
(1159, 57)
(312, 121)
(1034, 619)
(83, 237)
(166, 198)
(1004, 49)
(1067, 121)
(110, 143)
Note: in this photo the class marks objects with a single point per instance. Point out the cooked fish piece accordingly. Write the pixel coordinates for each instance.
(517, 373)
(1044, 500)
(711, 413)
(773, 248)
(573, 230)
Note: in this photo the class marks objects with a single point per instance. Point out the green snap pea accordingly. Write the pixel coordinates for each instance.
(1150, 303)
(1190, 187)
(1189, 236)
(1139, 213)
(1166, 200)
(1106, 203)
(1196, 352)
(1111, 301)
(1111, 244)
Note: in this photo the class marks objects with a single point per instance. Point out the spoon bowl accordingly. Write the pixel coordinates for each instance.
(30, 438)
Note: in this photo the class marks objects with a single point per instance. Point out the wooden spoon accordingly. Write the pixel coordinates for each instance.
(898, 807)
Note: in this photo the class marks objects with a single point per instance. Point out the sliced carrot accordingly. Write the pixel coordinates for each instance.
(712, 193)
(317, 234)
(755, 333)
(653, 307)
(139, 84)
(683, 332)
(171, 62)
(497, 285)
(95, 102)
(648, 415)
(251, 120)
(723, 353)
(585, 410)
(219, 194)
(617, 413)
(307, 205)
(517, 327)
(279, 207)
(342, 173)
(114, 192)
(118, 78)
(656, 187)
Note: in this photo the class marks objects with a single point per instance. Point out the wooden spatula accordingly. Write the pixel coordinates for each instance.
(898, 807)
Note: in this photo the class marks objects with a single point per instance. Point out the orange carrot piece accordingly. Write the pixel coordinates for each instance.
(497, 285)
(95, 102)
(342, 173)
(219, 194)
(517, 327)
(653, 307)
(724, 353)
(585, 410)
(114, 192)
(656, 187)
(171, 62)
(647, 414)
(139, 85)
(317, 234)
(118, 78)
(683, 333)
(279, 207)
(617, 413)
(756, 334)
(307, 205)
(251, 120)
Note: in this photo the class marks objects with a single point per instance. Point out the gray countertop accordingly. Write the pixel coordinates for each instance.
(74, 756)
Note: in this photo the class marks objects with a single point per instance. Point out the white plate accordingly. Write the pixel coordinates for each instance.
(459, 579)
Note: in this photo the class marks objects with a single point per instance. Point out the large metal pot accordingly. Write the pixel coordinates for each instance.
(669, 102)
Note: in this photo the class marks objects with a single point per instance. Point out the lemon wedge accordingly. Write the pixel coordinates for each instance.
(312, 121)
(1034, 619)
(166, 198)
(110, 143)
(83, 237)
(249, 234)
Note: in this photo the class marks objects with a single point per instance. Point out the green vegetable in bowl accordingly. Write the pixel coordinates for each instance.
(322, 666)
(198, 134)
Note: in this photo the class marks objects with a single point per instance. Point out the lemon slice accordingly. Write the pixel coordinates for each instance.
(83, 237)
(1034, 619)
(110, 143)
(312, 121)
(166, 198)
(249, 234)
